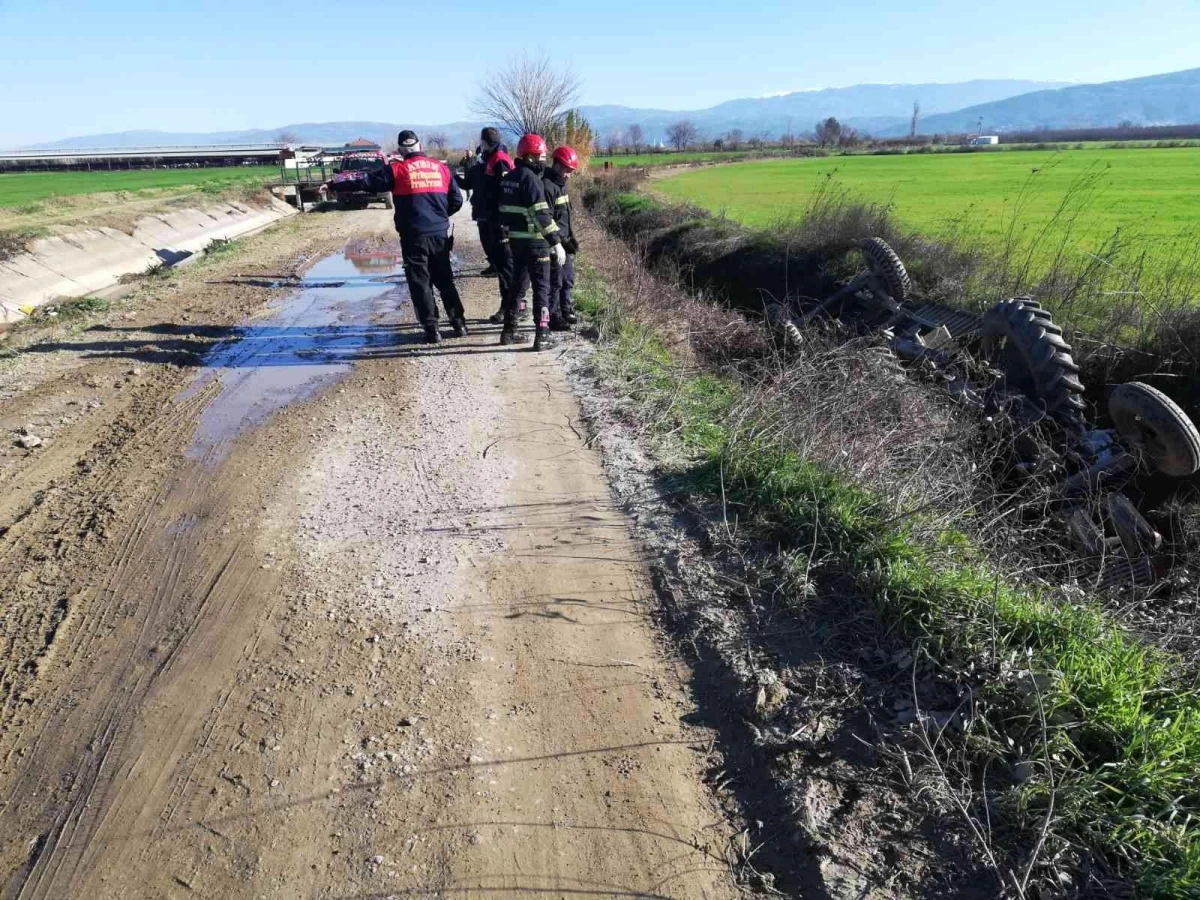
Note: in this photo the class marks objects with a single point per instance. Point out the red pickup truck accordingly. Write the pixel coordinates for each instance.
(354, 167)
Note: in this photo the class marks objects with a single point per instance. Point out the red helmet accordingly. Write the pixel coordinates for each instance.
(532, 145)
(568, 157)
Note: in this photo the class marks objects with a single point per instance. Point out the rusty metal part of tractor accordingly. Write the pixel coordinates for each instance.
(1154, 427)
(883, 288)
(881, 298)
(779, 320)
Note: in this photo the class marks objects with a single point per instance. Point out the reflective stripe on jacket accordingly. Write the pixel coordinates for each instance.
(524, 211)
(560, 202)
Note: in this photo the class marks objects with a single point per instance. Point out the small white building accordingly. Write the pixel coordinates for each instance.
(986, 140)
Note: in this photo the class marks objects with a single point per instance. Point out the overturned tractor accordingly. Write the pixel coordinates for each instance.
(1014, 365)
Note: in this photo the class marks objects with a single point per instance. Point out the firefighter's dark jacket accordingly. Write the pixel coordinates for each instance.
(524, 211)
(483, 181)
(476, 180)
(560, 205)
(423, 192)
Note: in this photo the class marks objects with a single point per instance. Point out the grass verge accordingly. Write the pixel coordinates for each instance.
(1131, 314)
(1078, 743)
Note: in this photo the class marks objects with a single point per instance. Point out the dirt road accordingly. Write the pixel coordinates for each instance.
(305, 609)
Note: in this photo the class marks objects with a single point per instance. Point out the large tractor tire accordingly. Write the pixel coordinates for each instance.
(1020, 339)
(1152, 423)
(886, 265)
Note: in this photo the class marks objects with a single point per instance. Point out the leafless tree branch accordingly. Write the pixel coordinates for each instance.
(528, 95)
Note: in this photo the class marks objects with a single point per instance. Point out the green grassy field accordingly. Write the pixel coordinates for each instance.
(670, 159)
(26, 188)
(1150, 193)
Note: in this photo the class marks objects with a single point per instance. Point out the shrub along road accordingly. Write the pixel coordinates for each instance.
(307, 609)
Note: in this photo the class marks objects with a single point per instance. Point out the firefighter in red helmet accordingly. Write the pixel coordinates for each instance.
(533, 236)
(562, 277)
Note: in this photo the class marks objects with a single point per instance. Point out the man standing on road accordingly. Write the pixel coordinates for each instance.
(496, 166)
(425, 196)
(562, 277)
(533, 236)
(475, 180)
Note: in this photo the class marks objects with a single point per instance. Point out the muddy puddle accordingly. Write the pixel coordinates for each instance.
(308, 341)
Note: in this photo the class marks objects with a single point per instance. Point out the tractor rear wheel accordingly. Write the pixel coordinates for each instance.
(1021, 340)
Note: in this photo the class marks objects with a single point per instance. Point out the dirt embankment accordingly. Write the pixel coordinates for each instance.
(343, 616)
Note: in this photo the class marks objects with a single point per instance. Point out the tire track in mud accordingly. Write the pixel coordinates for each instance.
(144, 602)
(394, 641)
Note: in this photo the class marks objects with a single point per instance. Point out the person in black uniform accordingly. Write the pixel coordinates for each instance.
(473, 181)
(497, 164)
(482, 178)
(425, 196)
(562, 278)
(533, 236)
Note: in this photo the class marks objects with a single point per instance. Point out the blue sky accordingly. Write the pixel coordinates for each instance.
(82, 67)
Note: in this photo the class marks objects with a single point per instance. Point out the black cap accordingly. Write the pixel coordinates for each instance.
(407, 138)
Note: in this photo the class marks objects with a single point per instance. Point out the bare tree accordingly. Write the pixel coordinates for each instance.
(438, 141)
(635, 136)
(529, 95)
(916, 118)
(828, 132)
(735, 137)
(614, 141)
(682, 134)
(849, 137)
(286, 137)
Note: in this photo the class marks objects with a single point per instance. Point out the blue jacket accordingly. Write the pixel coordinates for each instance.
(423, 192)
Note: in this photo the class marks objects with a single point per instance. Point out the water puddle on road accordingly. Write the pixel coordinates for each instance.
(335, 317)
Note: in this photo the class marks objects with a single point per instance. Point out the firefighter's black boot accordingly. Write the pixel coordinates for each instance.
(508, 334)
(497, 318)
(558, 323)
(432, 335)
(541, 339)
(459, 324)
(569, 317)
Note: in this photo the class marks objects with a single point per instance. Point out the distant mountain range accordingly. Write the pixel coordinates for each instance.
(323, 133)
(875, 109)
(1171, 99)
(871, 108)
